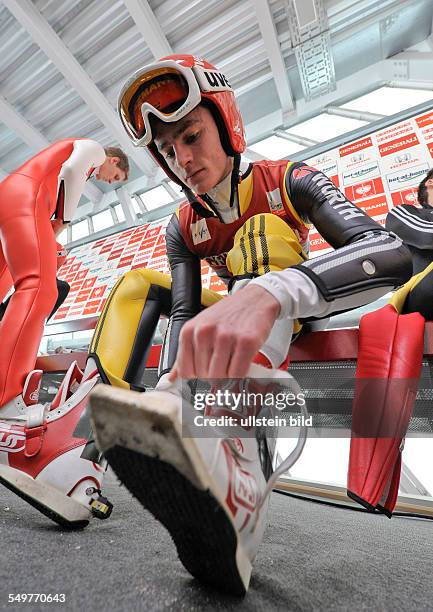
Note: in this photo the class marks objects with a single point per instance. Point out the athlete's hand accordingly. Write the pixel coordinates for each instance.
(223, 339)
(58, 226)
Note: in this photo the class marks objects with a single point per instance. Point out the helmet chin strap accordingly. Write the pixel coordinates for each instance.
(234, 181)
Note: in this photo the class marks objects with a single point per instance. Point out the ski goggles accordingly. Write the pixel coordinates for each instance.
(167, 90)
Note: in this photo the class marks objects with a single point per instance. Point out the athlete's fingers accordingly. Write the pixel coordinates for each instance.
(203, 340)
(185, 354)
(221, 355)
(243, 353)
(173, 374)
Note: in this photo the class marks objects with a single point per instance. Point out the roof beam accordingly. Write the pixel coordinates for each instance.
(19, 124)
(425, 85)
(35, 139)
(352, 114)
(126, 204)
(276, 60)
(306, 142)
(26, 13)
(408, 66)
(149, 27)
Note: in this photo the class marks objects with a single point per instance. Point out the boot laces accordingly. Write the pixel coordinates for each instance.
(284, 466)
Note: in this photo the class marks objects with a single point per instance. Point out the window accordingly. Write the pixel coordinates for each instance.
(80, 230)
(275, 148)
(325, 127)
(389, 100)
(63, 236)
(177, 188)
(102, 220)
(119, 212)
(155, 198)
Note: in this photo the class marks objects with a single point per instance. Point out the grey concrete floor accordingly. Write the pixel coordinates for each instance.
(313, 557)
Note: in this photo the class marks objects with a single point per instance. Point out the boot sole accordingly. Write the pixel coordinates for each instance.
(143, 445)
(57, 506)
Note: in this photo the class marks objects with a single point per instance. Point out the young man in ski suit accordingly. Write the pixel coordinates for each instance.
(250, 222)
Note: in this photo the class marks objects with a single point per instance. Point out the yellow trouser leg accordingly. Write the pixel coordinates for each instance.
(116, 331)
(401, 295)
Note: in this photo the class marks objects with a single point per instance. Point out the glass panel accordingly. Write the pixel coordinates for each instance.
(155, 198)
(119, 212)
(102, 220)
(325, 127)
(275, 148)
(177, 188)
(322, 460)
(63, 236)
(80, 230)
(136, 206)
(389, 100)
(418, 456)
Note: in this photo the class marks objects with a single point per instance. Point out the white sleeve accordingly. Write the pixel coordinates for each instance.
(87, 154)
(300, 298)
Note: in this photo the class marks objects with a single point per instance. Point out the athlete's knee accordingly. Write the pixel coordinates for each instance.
(42, 288)
(136, 284)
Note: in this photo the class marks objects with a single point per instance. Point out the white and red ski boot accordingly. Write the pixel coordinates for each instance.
(48, 457)
(210, 493)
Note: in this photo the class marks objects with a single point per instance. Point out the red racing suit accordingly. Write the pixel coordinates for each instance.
(47, 186)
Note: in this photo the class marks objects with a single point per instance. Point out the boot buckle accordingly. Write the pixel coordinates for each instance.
(34, 439)
(100, 506)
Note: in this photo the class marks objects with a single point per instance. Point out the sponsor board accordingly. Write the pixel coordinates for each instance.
(394, 161)
(365, 189)
(423, 120)
(427, 134)
(406, 178)
(405, 196)
(395, 131)
(357, 174)
(403, 159)
(358, 159)
(399, 144)
(374, 206)
(317, 242)
(354, 147)
(326, 163)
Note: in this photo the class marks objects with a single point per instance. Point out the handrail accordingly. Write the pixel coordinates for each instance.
(328, 345)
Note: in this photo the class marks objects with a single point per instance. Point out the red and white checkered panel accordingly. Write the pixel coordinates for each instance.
(94, 268)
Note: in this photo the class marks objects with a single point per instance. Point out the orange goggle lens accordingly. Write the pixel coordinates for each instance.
(164, 89)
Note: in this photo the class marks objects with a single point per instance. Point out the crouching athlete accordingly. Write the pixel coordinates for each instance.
(46, 456)
(250, 222)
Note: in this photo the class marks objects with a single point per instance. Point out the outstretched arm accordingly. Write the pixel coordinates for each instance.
(367, 263)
